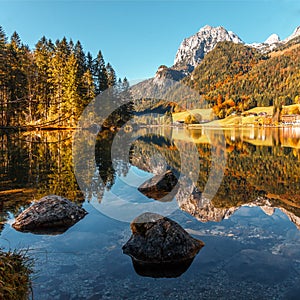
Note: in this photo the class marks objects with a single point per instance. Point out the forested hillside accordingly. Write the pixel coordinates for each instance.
(51, 84)
(235, 77)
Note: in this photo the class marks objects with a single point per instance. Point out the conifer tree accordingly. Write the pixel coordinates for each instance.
(100, 74)
(111, 76)
(88, 87)
(58, 73)
(80, 57)
(30, 70)
(15, 40)
(3, 38)
(42, 54)
(3, 78)
(85, 82)
(89, 62)
(71, 45)
(16, 79)
(71, 99)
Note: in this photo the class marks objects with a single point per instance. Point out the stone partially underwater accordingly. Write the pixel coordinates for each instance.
(50, 215)
(160, 247)
(160, 187)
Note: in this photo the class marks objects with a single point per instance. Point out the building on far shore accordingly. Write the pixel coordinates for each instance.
(290, 119)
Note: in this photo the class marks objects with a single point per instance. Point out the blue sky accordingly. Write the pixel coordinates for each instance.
(138, 36)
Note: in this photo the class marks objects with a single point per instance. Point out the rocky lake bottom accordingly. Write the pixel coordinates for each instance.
(248, 256)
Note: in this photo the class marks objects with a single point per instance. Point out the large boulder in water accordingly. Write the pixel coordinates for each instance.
(160, 187)
(160, 247)
(50, 215)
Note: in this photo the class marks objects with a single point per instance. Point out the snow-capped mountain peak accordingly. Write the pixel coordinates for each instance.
(295, 34)
(205, 28)
(272, 39)
(193, 49)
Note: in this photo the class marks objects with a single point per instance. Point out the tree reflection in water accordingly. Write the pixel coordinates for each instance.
(262, 167)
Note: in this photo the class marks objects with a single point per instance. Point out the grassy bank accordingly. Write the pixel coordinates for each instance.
(249, 117)
(15, 271)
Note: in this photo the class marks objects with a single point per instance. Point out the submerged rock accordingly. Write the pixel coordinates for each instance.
(160, 186)
(50, 215)
(160, 246)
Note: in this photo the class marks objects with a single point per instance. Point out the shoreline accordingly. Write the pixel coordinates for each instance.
(198, 126)
(182, 126)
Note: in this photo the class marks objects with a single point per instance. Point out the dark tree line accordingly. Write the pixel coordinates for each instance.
(51, 84)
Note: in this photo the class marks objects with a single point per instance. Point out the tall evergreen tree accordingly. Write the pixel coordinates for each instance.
(3, 77)
(42, 54)
(80, 57)
(71, 98)
(89, 62)
(30, 70)
(88, 90)
(81, 71)
(57, 79)
(71, 45)
(16, 80)
(100, 74)
(3, 38)
(111, 76)
(15, 40)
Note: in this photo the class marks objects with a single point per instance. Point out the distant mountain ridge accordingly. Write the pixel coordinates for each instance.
(215, 62)
(193, 49)
(274, 41)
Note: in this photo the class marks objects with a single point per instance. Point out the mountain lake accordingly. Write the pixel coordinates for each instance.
(249, 222)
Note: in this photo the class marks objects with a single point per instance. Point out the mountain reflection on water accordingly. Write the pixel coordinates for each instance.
(253, 248)
(262, 169)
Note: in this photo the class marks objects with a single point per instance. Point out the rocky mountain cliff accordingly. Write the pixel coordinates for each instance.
(193, 49)
(190, 53)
